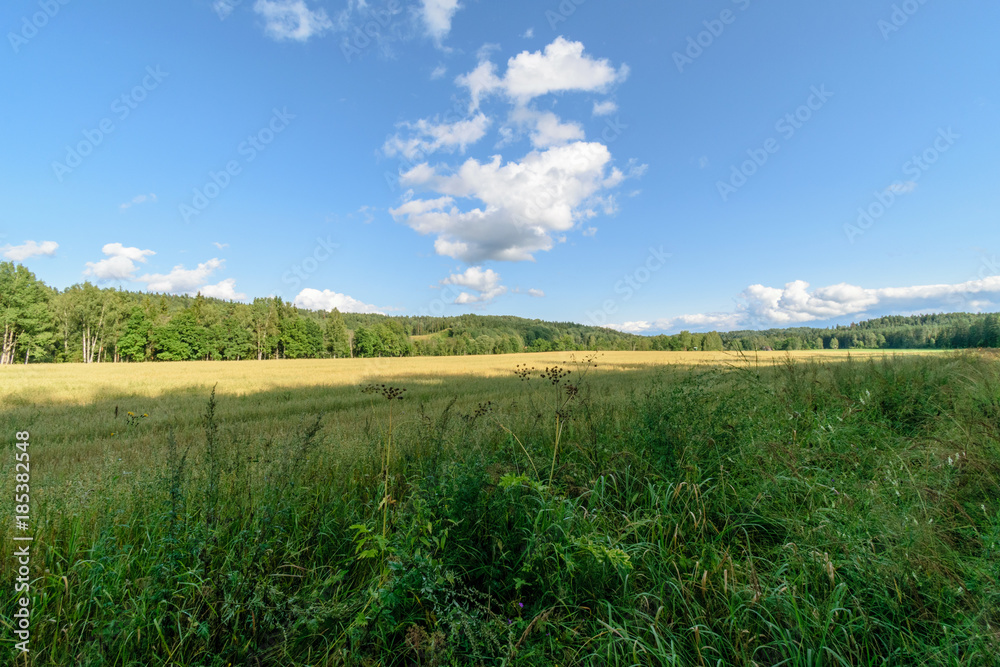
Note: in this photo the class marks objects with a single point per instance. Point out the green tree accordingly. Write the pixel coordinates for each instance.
(27, 319)
(337, 341)
(713, 342)
(134, 342)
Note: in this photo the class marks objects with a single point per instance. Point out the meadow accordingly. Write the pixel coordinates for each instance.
(624, 508)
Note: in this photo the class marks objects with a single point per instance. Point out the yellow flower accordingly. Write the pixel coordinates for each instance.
(145, 414)
(112, 434)
(131, 414)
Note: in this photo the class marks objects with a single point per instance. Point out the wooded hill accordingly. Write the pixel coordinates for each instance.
(90, 324)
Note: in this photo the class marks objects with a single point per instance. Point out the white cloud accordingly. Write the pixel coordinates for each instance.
(590, 231)
(536, 293)
(223, 8)
(902, 188)
(220, 246)
(546, 128)
(485, 282)
(796, 304)
(19, 253)
(703, 162)
(429, 137)
(313, 299)
(120, 262)
(605, 108)
(292, 19)
(439, 72)
(561, 67)
(138, 199)
(223, 290)
(529, 33)
(437, 15)
(181, 280)
(524, 204)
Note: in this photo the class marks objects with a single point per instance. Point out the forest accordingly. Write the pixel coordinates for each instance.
(89, 324)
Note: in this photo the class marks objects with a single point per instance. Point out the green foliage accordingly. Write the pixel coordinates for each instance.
(90, 324)
(805, 514)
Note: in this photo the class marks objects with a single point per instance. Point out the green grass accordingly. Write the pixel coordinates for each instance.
(809, 514)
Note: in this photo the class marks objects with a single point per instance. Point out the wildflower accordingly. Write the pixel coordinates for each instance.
(131, 414)
(145, 414)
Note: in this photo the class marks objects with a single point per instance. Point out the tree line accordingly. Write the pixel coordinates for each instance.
(89, 324)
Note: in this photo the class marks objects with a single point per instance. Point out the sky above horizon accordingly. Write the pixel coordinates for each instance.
(644, 165)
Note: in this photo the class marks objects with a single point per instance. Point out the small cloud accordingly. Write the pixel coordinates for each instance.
(220, 246)
(223, 8)
(292, 19)
(439, 72)
(485, 282)
(536, 293)
(902, 188)
(605, 108)
(590, 231)
(437, 15)
(138, 199)
(223, 290)
(529, 33)
(313, 299)
(703, 162)
(181, 280)
(19, 253)
(366, 213)
(120, 263)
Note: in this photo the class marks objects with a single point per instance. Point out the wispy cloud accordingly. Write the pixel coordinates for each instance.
(429, 136)
(605, 108)
(138, 199)
(292, 19)
(902, 188)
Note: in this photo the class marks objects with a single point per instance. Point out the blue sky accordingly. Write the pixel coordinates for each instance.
(647, 165)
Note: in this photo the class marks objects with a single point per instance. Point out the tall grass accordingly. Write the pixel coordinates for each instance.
(805, 514)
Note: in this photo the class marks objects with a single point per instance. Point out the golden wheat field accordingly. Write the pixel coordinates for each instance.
(88, 421)
(80, 384)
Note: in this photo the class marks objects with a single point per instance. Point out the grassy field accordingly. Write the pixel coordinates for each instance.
(811, 508)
